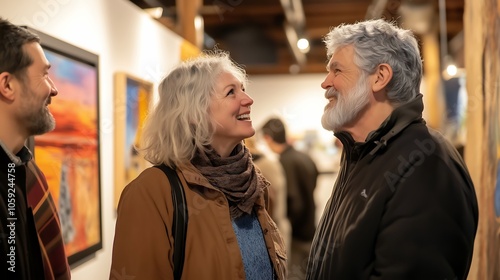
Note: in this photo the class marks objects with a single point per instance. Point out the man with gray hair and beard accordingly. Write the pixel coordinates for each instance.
(404, 205)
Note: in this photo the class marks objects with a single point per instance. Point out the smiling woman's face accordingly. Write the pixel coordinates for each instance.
(230, 109)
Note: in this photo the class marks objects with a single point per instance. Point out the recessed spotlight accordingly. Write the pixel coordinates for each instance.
(303, 45)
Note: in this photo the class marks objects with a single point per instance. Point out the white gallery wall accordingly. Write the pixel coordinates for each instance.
(298, 99)
(127, 39)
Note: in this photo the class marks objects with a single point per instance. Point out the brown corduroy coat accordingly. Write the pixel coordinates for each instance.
(143, 244)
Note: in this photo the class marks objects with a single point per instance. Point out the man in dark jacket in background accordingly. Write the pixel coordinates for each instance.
(301, 176)
(404, 206)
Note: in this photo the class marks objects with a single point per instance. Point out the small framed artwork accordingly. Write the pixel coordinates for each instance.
(69, 155)
(132, 100)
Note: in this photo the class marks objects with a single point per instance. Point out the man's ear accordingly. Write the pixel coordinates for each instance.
(383, 75)
(6, 86)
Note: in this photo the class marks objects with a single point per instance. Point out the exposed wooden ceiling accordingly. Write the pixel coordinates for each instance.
(253, 31)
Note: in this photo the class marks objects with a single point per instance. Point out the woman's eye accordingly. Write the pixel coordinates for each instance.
(230, 92)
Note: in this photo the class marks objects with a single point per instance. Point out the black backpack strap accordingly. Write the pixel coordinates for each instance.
(179, 225)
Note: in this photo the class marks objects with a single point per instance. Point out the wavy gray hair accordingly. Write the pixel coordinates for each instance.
(379, 41)
(180, 123)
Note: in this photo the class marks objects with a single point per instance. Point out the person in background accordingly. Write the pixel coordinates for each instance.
(404, 205)
(31, 245)
(197, 128)
(274, 173)
(301, 178)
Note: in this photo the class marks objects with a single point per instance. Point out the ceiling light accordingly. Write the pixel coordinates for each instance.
(198, 22)
(452, 70)
(155, 12)
(303, 45)
(293, 38)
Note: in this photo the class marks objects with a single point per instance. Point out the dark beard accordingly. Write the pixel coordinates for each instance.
(40, 122)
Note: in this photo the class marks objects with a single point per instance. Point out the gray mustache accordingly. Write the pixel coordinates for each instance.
(331, 92)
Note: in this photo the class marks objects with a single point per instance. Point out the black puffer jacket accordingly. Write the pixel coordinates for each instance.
(404, 207)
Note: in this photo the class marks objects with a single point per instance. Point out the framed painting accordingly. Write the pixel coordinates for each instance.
(69, 155)
(132, 100)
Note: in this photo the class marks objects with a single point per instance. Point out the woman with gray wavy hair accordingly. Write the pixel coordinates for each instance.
(197, 128)
(403, 205)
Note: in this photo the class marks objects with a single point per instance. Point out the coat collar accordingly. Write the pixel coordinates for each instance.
(22, 157)
(396, 122)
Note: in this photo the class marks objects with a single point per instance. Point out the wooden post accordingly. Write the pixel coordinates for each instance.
(433, 93)
(482, 63)
(187, 10)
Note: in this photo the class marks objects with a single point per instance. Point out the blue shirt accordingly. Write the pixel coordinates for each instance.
(253, 248)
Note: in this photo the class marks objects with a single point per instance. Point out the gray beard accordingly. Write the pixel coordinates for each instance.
(347, 107)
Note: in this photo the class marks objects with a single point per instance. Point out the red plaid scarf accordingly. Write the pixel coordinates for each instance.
(47, 223)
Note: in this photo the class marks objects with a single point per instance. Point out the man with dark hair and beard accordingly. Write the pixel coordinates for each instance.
(404, 205)
(31, 245)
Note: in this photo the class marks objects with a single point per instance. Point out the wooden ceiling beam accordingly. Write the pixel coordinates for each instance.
(334, 8)
(252, 11)
(328, 20)
(240, 20)
(187, 11)
(454, 27)
(315, 33)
